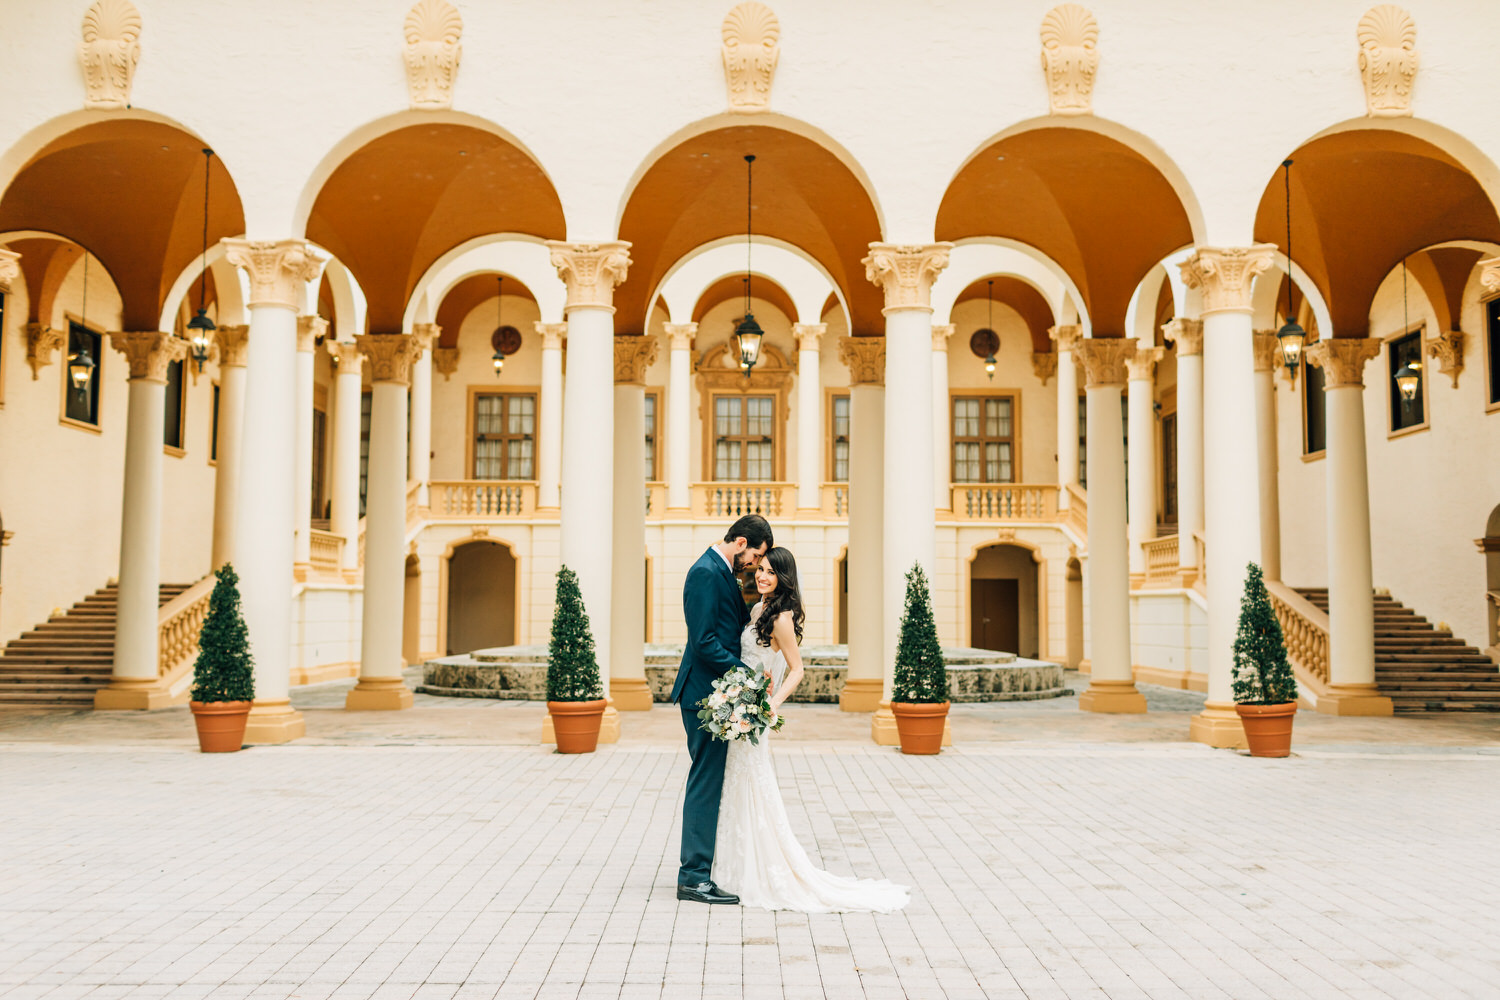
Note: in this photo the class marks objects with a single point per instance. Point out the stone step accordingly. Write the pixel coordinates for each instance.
(48, 699)
(34, 681)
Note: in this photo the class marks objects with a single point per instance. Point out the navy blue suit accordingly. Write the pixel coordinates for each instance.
(716, 615)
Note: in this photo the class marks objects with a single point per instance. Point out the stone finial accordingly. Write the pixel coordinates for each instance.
(1267, 351)
(233, 344)
(432, 29)
(906, 273)
(552, 334)
(424, 335)
(1070, 58)
(1387, 60)
(390, 354)
(1186, 334)
(309, 329)
(1044, 364)
(808, 335)
(41, 341)
(277, 270)
(1141, 365)
(751, 47)
(1343, 359)
(10, 268)
(940, 334)
(633, 355)
(1489, 274)
(148, 352)
(1066, 336)
(865, 358)
(1225, 275)
(1447, 349)
(590, 270)
(1103, 359)
(445, 360)
(109, 52)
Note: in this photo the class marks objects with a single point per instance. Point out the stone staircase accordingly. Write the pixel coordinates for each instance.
(62, 662)
(1421, 668)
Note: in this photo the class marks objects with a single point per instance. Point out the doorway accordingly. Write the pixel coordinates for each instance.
(1004, 600)
(411, 613)
(1075, 614)
(481, 597)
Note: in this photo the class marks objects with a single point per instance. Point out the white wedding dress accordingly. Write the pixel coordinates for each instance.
(756, 855)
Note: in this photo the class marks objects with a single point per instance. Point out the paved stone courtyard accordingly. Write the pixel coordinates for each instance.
(1043, 868)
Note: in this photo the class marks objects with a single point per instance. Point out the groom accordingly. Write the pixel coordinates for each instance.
(716, 615)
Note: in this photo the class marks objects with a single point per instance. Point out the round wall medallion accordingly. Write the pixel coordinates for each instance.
(984, 342)
(506, 340)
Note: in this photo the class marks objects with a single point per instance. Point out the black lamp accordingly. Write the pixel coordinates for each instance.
(200, 324)
(499, 356)
(1291, 335)
(81, 365)
(989, 361)
(748, 334)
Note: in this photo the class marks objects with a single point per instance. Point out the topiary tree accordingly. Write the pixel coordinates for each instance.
(1262, 673)
(921, 676)
(224, 670)
(572, 669)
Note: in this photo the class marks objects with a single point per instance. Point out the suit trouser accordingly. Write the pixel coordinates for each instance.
(700, 804)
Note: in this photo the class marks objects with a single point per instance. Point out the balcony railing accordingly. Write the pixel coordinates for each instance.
(835, 501)
(731, 500)
(327, 552)
(481, 498)
(1162, 561)
(1004, 502)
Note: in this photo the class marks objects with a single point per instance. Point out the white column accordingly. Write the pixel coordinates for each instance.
(309, 329)
(1112, 676)
(809, 416)
(864, 683)
(264, 518)
(347, 389)
(1142, 465)
(679, 414)
(1351, 585)
(1187, 334)
(1231, 488)
(381, 685)
(942, 421)
(134, 681)
(909, 534)
(1065, 339)
(627, 655)
(1267, 360)
(550, 417)
(233, 343)
(419, 461)
(591, 272)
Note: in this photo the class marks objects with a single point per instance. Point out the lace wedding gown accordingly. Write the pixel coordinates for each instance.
(757, 856)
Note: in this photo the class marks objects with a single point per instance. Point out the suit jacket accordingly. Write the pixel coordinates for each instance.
(716, 615)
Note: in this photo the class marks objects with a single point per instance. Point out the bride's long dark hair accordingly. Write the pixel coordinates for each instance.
(786, 597)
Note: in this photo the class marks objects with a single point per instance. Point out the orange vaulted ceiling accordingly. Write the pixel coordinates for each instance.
(131, 192)
(1360, 202)
(1021, 297)
(804, 195)
(464, 297)
(1092, 204)
(732, 289)
(400, 202)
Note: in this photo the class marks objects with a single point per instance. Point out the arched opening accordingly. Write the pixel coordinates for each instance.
(731, 288)
(843, 596)
(482, 595)
(411, 612)
(1003, 600)
(1017, 294)
(1074, 599)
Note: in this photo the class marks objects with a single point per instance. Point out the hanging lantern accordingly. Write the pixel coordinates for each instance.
(80, 369)
(497, 339)
(1409, 380)
(200, 324)
(985, 342)
(1291, 336)
(747, 333)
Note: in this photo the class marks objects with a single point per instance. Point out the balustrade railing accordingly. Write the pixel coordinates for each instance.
(719, 500)
(1004, 502)
(178, 625)
(1305, 629)
(481, 498)
(413, 487)
(835, 501)
(1077, 515)
(1161, 561)
(327, 551)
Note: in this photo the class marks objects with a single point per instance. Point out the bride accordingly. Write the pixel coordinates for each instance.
(757, 855)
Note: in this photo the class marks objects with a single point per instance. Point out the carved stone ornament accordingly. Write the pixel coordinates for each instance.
(906, 273)
(277, 270)
(148, 352)
(41, 341)
(1044, 365)
(390, 354)
(865, 359)
(109, 52)
(1343, 359)
(1141, 365)
(348, 359)
(424, 335)
(1447, 349)
(1186, 334)
(752, 46)
(233, 343)
(1225, 275)
(10, 268)
(1066, 336)
(552, 334)
(1489, 274)
(633, 355)
(445, 360)
(940, 334)
(808, 335)
(1103, 359)
(591, 271)
(309, 330)
(1387, 60)
(1267, 351)
(1070, 58)
(680, 335)
(432, 30)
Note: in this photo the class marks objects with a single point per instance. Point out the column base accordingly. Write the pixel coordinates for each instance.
(1218, 725)
(129, 694)
(1116, 697)
(376, 694)
(274, 722)
(1354, 699)
(885, 734)
(860, 695)
(1085, 666)
(609, 726)
(630, 694)
(1162, 678)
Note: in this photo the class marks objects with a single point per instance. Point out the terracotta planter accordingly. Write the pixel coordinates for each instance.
(576, 724)
(1268, 728)
(221, 724)
(920, 726)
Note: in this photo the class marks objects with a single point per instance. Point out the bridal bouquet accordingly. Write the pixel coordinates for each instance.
(740, 707)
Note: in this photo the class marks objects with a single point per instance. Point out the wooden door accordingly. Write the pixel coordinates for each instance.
(995, 611)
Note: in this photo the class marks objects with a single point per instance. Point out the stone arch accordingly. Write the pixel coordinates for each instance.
(411, 612)
(1074, 616)
(1006, 597)
(515, 255)
(806, 282)
(228, 304)
(979, 258)
(480, 595)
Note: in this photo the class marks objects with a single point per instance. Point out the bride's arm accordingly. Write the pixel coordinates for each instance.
(786, 639)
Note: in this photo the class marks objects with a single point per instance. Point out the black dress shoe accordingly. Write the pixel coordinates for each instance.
(705, 892)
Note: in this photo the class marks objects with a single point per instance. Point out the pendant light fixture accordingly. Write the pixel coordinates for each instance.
(1409, 378)
(498, 339)
(81, 365)
(1291, 336)
(748, 334)
(989, 361)
(200, 324)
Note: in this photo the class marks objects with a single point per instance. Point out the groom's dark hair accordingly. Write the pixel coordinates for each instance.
(754, 529)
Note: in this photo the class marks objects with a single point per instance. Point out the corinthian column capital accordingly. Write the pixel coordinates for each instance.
(348, 359)
(808, 335)
(1066, 337)
(1343, 360)
(1186, 333)
(424, 335)
(552, 335)
(940, 334)
(590, 270)
(1489, 274)
(390, 354)
(865, 358)
(10, 268)
(445, 360)
(1044, 364)
(276, 269)
(1103, 359)
(1267, 351)
(633, 355)
(1224, 275)
(680, 335)
(309, 329)
(906, 272)
(148, 352)
(41, 341)
(1141, 365)
(233, 343)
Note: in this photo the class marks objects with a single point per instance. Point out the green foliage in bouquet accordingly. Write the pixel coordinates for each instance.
(739, 708)
(1262, 674)
(572, 669)
(921, 677)
(224, 670)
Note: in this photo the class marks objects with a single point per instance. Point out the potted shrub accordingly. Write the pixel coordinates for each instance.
(223, 678)
(1265, 690)
(919, 695)
(575, 697)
